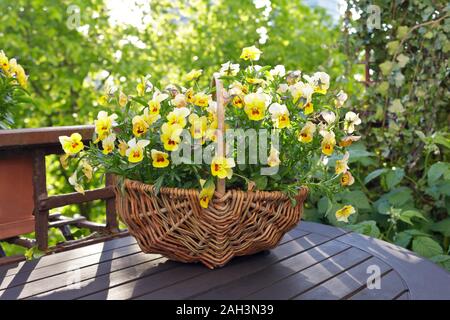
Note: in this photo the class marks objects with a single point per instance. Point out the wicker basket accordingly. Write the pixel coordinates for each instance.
(236, 223)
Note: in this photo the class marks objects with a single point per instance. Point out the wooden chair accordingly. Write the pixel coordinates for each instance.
(24, 201)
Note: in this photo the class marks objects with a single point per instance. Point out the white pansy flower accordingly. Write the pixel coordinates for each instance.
(279, 71)
(283, 88)
(341, 97)
(351, 120)
(328, 116)
(229, 69)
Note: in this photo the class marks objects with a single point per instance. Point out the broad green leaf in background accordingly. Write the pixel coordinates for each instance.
(357, 198)
(403, 239)
(426, 247)
(374, 175)
(438, 170)
(407, 215)
(368, 228)
(442, 226)
(394, 177)
(400, 196)
(442, 260)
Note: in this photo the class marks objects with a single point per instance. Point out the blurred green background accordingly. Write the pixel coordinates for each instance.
(72, 49)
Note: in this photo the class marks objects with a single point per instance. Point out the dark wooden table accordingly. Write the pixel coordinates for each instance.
(313, 261)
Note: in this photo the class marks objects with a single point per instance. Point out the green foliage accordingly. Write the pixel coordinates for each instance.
(408, 182)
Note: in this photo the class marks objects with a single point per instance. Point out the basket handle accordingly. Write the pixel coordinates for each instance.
(220, 152)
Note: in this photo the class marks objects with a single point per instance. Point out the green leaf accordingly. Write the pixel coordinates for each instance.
(400, 196)
(403, 239)
(368, 228)
(323, 204)
(394, 177)
(426, 247)
(356, 198)
(261, 182)
(442, 260)
(392, 46)
(407, 215)
(442, 227)
(386, 67)
(396, 107)
(158, 183)
(374, 175)
(436, 171)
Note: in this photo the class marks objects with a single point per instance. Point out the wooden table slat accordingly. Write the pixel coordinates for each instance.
(150, 283)
(392, 286)
(66, 266)
(26, 266)
(299, 282)
(239, 271)
(346, 283)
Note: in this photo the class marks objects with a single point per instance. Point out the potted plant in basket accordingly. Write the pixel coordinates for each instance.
(266, 133)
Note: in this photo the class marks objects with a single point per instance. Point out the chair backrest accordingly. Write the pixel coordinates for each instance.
(24, 202)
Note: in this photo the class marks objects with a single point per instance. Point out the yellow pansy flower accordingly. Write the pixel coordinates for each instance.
(178, 116)
(253, 80)
(328, 142)
(199, 125)
(280, 115)
(348, 140)
(193, 74)
(256, 105)
(211, 134)
(251, 53)
(273, 160)
(135, 151)
(104, 124)
(320, 81)
(237, 89)
(342, 165)
(140, 88)
(123, 99)
(345, 212)
(170, 136)
(222, 167)
(108, 144)
(160, 159)
(73, 144)
(308, 108)
(21, 76)
(13, 66)
(87, 170)
(140, 126)
(206, 194)
(179, 101)
(301, 90)
(307, 132)
(154, 105)
(190, 95)
(202, 99)
(150, 118)
(347, 179)
(238, 102)
(123, 146)
(102, 100)
(4, 62)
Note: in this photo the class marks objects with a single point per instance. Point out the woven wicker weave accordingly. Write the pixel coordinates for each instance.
(236, 222)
